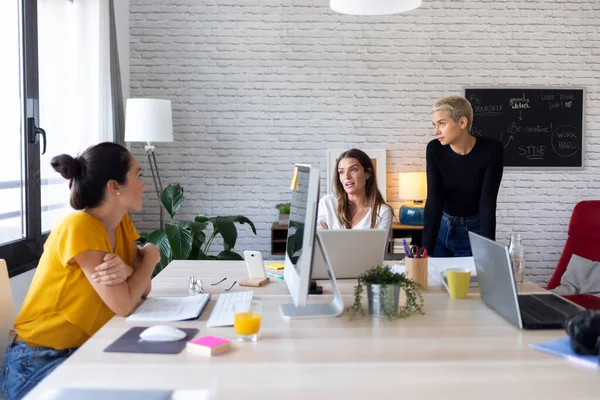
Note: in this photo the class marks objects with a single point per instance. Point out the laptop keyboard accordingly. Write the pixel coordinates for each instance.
(545, 310)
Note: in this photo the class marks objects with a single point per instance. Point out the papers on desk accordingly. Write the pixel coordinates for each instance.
(435, 265)
(562, 348)
(170, 308)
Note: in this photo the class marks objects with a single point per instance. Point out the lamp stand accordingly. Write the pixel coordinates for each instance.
(155, 177)
(412, 213)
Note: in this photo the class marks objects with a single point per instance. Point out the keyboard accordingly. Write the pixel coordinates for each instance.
(545, 311)
(222, 314)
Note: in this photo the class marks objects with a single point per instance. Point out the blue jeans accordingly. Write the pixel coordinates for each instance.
(25, 366)
(453, 238)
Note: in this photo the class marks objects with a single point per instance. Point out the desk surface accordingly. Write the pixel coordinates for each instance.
(460, 349)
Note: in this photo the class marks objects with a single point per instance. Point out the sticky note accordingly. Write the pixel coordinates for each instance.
(275, 266)
(294, 184)
(208, 345)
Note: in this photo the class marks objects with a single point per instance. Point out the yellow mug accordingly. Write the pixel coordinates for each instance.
(458, 281)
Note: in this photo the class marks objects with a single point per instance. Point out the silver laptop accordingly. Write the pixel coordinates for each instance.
(351, 252)
(499, 291)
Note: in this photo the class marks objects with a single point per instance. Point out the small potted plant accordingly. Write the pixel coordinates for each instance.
(284, 212)
(383, 293)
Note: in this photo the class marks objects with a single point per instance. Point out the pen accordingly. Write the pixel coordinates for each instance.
(275, 275)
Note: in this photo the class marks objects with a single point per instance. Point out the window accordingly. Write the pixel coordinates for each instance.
(55, 75)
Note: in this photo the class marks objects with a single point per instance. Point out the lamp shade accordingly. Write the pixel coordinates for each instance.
(412, 186)
(148, 120)
(373, 7)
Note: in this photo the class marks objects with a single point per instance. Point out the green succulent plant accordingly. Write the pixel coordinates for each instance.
(384, 276)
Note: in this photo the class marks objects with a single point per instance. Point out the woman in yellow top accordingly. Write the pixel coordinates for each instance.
(90, 270)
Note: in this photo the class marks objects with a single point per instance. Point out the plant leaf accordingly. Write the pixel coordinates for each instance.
(160, 266)
(227, 229)
(229, 255)
(180, 240)
(197, 228)
(241, 220)
(203, 256)
(161, 241)
(172, 198)
(143, 238)
(201, 218)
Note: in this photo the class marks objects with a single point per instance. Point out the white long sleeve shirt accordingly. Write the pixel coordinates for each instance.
(326, 214)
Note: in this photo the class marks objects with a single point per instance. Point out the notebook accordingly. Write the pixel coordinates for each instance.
(562, 348)
(170, 308)
(110, 394)
(124, 394)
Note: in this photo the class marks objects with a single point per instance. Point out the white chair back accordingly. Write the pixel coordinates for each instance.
(7, 308)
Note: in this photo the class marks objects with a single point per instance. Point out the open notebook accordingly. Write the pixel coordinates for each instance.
(124, 394)
(170, 308)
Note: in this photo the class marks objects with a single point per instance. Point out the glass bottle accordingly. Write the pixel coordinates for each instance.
(517, 256)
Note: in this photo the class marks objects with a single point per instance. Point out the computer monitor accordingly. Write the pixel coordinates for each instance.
(302, 242)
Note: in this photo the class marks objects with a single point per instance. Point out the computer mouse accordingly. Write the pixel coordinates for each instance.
(162, 333)
(584, 330)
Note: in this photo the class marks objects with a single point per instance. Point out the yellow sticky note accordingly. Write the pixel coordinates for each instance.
(275, 266)
(294, 184)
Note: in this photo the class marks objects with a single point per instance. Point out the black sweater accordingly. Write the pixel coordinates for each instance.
(462, 186)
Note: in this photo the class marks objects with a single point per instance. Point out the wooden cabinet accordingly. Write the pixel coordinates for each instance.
(399, 231)
(279, 237)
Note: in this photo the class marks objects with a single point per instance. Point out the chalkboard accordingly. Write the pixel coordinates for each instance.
(539, 128)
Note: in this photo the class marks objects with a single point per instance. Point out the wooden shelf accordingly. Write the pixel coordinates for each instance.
(415, 232)
(278, 239)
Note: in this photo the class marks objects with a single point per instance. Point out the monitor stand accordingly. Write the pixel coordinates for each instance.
(333, 309)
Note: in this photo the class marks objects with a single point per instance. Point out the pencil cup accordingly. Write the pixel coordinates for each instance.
(416, 270)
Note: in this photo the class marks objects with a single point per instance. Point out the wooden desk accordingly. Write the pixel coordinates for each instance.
(460, 349)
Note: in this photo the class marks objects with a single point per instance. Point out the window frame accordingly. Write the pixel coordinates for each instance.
(23, 254)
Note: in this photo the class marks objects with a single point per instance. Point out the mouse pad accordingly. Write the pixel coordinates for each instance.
(130, 342)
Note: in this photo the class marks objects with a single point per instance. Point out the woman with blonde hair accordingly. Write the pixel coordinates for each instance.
(463, 178)
(356, 202)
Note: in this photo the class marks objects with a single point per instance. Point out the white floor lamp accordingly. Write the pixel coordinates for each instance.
(150, 121)
(373, 7)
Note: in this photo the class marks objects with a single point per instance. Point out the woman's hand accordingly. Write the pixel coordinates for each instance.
(112, 271)
(323, 225)
(150, 250)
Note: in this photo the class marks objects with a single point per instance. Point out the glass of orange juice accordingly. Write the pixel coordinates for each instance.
(246, 320)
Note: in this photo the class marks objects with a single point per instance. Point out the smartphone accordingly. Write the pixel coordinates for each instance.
(255, 264)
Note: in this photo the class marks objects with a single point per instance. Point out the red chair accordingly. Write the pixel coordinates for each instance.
(584, 240)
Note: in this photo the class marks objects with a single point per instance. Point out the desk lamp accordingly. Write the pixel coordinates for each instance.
(412, 186)
(374, 7)
(150, 121)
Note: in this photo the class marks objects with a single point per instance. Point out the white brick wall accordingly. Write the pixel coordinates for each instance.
(258, 85)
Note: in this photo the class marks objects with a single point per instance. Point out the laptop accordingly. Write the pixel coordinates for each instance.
(499, 291)
(351, 252)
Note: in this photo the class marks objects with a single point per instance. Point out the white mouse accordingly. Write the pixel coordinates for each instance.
(162, 333)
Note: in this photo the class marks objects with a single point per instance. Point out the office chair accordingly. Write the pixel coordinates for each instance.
(584, 240)
(7, 310)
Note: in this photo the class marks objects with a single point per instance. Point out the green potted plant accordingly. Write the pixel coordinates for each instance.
(383, 293)
(186, 240)
(284, 212)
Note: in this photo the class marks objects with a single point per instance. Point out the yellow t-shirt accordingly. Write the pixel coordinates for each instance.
(62, 309)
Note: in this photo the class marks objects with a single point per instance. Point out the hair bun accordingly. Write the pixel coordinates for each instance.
(68, 167)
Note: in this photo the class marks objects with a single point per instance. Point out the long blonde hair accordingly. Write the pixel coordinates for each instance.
(374, 197)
